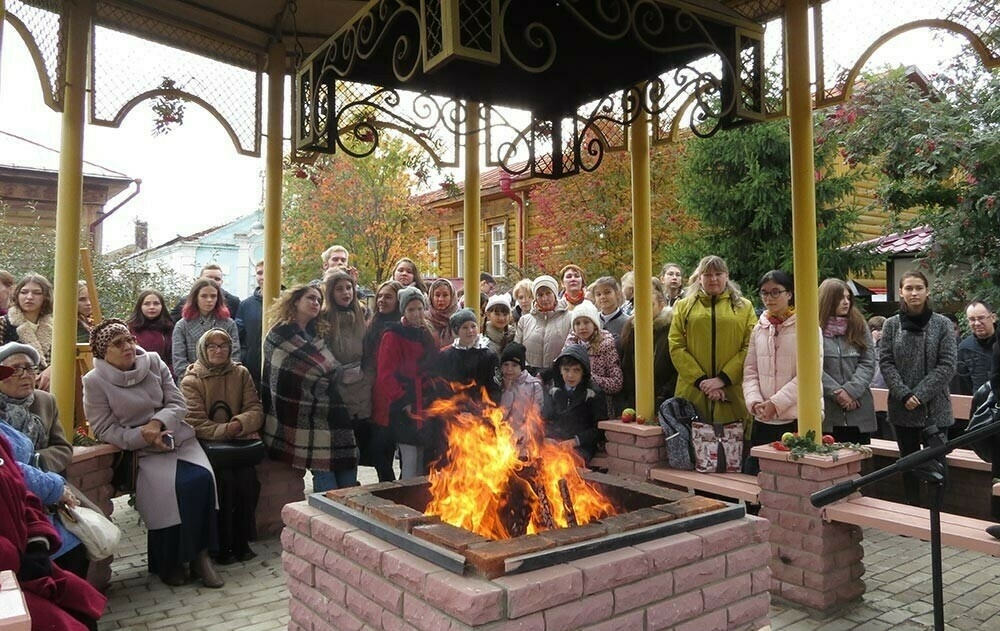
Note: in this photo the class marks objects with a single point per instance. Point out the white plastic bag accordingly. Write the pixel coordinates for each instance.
(98, 533)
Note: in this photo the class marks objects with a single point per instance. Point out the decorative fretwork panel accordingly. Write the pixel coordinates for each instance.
(40, 24)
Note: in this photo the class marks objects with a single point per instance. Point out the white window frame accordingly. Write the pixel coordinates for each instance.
(459, 253)
(498, 249)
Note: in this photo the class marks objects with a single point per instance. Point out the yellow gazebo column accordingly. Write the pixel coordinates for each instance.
(3, 13)
(638, 136)
(472, 205)
(803, 215)
(272, 176)
(68, 210)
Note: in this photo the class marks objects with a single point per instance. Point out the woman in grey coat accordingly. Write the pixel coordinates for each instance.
(849, 362)
(917, 358)
(131, 402)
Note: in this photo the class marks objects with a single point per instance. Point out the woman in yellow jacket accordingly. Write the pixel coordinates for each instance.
(709, 336)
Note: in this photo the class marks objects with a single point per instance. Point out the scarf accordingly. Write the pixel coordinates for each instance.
(835, 326)
(202, 350)
(35, 334)
(777, 318)
(574, 299)
(915, 322)
(439, 319)
(18, 416)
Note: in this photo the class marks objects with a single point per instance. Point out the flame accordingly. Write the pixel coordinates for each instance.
(494, 479)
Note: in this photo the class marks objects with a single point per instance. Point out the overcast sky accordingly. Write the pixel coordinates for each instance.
(193, 178)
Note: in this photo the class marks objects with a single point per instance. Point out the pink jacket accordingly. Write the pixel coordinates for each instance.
(605, 369)
(769, 371)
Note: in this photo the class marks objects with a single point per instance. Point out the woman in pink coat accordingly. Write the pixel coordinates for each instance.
(770, 382)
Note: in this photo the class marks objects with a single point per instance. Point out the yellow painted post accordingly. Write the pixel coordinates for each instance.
(472, 208)
(69, 207)
(638, 135)
(3, 13)
(803, 215)
(272, 176)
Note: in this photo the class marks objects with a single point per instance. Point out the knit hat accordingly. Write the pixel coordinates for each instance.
(545, 281)
(15, 348)
(409, 294)
(586, 309)
(459, 318)
(501, 300)
(513, 352)
(102, 334)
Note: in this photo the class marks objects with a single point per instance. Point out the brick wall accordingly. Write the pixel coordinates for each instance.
(633, 449)
(341, 578)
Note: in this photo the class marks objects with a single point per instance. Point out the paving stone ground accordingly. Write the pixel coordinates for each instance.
(255, 599)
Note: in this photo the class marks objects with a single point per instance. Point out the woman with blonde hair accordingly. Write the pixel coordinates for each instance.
(523, 295)
(709, 337)
(849, 364)
(306, 422)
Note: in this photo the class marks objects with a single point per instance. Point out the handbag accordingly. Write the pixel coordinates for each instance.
(235, 453)
(718, 448)
(99, 535)
(124, 471)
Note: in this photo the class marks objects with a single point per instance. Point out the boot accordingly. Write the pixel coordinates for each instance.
(202, 567)
(174, 576)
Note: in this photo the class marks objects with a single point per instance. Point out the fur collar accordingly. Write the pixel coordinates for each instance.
(37, 335)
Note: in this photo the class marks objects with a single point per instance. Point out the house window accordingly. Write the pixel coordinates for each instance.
(498, 249)
(459, 252)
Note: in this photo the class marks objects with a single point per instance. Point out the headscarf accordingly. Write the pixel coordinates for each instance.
(202, 351)
(440, 319)
(102, 334)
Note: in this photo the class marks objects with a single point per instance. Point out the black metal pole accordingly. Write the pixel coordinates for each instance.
(937, 571)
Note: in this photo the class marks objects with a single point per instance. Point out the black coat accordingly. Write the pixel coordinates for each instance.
(574, 415)
(479, 366)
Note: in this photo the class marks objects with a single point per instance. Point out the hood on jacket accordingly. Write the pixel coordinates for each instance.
(577, 352)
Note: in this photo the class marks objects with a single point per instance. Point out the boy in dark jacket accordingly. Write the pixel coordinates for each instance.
(573, 405)
(469, 359)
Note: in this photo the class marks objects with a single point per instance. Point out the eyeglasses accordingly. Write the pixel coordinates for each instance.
(123, 342)
(23, 369)
(976, 319)
(217, 347)
(774, 293)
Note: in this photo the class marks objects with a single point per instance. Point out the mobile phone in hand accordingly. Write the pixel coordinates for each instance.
(168, 440)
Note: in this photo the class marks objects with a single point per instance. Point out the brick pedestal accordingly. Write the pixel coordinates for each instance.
(634, 449)
(280, 484)
(813, 562)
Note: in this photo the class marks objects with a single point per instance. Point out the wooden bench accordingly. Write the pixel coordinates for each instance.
(996, 489)
(959, 458)
(910, 521)
(740, 486)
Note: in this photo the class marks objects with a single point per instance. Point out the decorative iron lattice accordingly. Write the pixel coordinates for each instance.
(874, 22)
(758, 10)
(332, 113)
(40, 25)
(121, 80)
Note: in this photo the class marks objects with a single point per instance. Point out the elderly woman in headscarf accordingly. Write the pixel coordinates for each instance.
(131, 402)
(30, 420)
(222, 405)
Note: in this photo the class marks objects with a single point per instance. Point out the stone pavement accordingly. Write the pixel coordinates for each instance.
(255, 599)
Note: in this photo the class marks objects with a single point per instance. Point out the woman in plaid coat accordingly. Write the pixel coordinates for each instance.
(307, 424)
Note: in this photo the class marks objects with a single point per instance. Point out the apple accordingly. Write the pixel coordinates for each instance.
(628, 415)
(787, 437)
(828, 439)
(640, 419)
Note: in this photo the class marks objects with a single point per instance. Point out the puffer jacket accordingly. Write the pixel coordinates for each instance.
(709, 337)
(919, 363)
(853, 369)
(770, 370)
(543, 334)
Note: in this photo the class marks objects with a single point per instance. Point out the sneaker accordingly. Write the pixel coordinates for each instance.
(994, 531)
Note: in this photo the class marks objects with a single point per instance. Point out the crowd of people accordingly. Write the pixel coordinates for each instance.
(198, 395)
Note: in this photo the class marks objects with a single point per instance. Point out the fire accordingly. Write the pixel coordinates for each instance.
(501, 483)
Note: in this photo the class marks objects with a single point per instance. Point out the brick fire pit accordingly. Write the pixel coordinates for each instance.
(368, 558)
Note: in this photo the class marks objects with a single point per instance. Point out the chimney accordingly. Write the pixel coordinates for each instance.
(141, 234)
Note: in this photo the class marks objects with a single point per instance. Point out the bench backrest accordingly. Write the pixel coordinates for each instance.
(961, 404)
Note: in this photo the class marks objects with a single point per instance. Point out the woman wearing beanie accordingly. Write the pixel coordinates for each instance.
(917, 357)
(403, 384)
(497, 322)
(131, 402)
(543, 330)
(605, 368)
(469, 361)
(443, 303)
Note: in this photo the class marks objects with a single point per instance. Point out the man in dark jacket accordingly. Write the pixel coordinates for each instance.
(975, 352)
(249, 320)
(574, 405)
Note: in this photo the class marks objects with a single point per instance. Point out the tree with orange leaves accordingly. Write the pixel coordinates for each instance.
(360, 203)
(592, 214)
